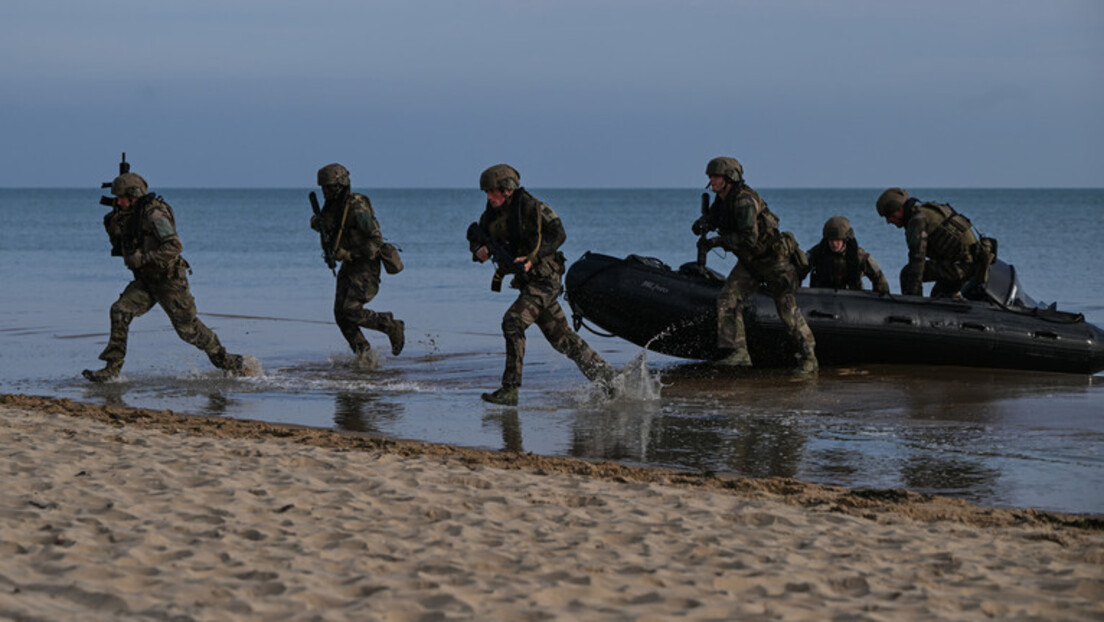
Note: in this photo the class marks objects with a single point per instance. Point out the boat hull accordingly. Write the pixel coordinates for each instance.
(673, 312)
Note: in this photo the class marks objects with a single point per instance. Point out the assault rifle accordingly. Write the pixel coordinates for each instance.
(702, 228)
(501, 256)
(124, 168)
(325, 236)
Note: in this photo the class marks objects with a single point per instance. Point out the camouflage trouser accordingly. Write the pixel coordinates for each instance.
(949, 276)
(175, 298)
(537, 304)
(781, 281)
(357, 284)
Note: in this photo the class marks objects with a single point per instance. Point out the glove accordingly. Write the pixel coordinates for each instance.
(342, 255)
(700, 226)
(134, 260)
(314, 224)
(708, 243)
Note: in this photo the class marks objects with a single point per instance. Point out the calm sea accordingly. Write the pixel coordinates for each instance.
(993, 437)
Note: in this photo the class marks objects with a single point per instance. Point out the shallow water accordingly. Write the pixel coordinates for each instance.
(995, 437)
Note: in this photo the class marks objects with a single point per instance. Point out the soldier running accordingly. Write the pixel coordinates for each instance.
(529, 234)
(357, 242)
(142, 230)
(748, 229)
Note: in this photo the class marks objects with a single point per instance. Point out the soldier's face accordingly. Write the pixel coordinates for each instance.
(122, 202)
(836, 246)
(332, 191)
(717, 183)
(896, 217)
(497, 198)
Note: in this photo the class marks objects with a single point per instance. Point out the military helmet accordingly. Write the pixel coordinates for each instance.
(838, 228)
(333, 174)
(726, 167)
(129, 185)
(890, 200)
(500, 177)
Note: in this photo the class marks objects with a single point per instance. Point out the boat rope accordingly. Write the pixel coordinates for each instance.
(578, 320)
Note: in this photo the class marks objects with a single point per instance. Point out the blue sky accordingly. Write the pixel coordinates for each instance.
(574, 93)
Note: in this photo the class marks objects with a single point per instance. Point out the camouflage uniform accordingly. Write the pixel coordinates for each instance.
(531, 229)
(942, 245)
(843, 270)
(358, 279)
(749, 230)
(935, 252)
(145, 235)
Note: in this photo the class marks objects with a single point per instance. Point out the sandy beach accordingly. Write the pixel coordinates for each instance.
(115, 513)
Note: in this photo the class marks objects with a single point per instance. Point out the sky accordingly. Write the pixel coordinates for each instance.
(572, 93)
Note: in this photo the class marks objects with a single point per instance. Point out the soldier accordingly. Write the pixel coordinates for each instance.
(942, 245)
(529, 234)
(749, 230)
(839, 262)
(142, 230)
(357, 242)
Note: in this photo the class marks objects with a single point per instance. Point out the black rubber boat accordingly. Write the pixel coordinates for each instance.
(642, 300)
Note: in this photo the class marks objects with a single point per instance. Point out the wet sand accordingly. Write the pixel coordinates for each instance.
(121, 513)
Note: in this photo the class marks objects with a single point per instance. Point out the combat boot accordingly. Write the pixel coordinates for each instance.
(807, 366)
(232, 363)
(604, 378)
(109, 372)
(507, 396)
(736, 358)
(396, 332)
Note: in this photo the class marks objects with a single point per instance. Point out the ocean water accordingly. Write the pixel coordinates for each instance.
(999, 438)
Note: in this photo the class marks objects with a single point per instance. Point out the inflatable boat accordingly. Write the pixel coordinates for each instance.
(673, 312)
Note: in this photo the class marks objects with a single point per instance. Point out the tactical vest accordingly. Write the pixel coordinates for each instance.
(837, 271)
(358, 240)
(521, 223)
(359, 243)
(724, 218)
(950, 234)
(126, 230)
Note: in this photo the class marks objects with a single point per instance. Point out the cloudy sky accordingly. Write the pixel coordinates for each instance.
(574, 93)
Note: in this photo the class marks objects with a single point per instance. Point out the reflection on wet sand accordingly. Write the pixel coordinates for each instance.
(507, 420)
(364, 412)
(935, 430)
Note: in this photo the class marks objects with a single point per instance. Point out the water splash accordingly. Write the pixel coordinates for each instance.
(633, 382)
(366, 360)
(251, 366)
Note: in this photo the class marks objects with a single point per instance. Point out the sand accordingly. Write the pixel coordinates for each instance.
(113, 513)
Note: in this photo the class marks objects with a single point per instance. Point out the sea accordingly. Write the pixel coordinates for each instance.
(992, 437)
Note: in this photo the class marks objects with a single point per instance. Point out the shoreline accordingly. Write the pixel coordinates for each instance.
(865, 502)
(125, 513)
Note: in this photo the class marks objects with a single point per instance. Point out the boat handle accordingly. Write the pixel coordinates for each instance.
(1045, 334)
(975, 326)
(823, 314)
(899, 319)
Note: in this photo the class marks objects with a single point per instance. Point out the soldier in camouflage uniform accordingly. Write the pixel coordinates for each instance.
(357, 243)
(142, 230)
(838, 262)
(942, 245)
(531, 233)
(749, 230)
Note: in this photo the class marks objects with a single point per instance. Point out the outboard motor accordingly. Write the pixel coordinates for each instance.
(1003, 288)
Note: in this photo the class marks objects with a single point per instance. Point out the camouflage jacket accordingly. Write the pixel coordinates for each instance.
(744, 224)
(148, 227)
(937, 231)
(530, 229)
(360, 235)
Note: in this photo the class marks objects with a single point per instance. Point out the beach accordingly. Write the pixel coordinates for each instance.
(113, 512)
